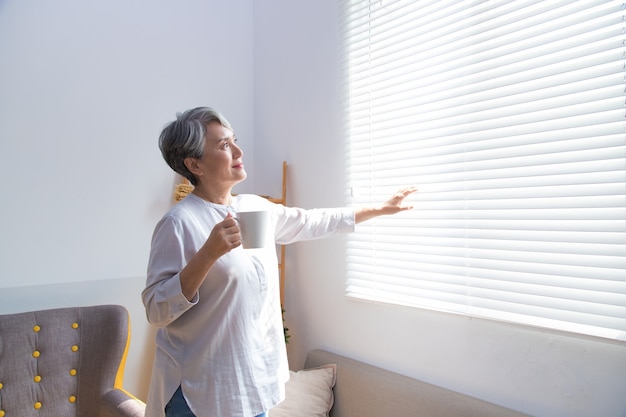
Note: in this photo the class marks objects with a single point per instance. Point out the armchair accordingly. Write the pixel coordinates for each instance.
(66, 362)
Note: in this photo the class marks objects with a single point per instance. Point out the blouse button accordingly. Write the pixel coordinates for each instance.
(74, 325)
(72, 372)
(75, 348)
(36, 329)
(37, 378)
(72, 399)
(36, 354)
(37, 405)
(1, 413)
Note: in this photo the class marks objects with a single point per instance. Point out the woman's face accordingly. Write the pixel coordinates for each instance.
(222, 163)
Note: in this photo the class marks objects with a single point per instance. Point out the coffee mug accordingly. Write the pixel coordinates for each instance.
(255, 229)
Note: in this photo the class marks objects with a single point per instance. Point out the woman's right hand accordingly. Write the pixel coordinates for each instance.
(225, 236)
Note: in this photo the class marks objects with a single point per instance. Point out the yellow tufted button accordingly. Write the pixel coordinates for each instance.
(37, 378)
(75, 348)
(73, 372)
(36, 329)
(72, 399)
(1, 385)
(36, 354)
(74, 325)
(1, 413)
(37, 405)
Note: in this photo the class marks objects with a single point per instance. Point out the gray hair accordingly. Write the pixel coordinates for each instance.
(184, 138)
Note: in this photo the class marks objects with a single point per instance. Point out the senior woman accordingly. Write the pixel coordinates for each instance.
(220, 342)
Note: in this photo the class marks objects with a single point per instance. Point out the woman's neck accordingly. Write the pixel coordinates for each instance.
(223, 197)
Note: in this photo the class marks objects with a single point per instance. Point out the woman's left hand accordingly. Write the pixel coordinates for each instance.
(395, 203)
(392, 206)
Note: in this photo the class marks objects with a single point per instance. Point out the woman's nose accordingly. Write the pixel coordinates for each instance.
(237, 151)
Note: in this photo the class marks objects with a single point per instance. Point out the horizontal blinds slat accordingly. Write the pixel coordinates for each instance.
(545, 119)
(439, 236)
(602, 326)
(455, 272)
(607, 304)
(455, 131)
(606, 135)
(441, 285)
(446, 183)
(528, 259)
(495, 149)
(572, 301)
(514, 245)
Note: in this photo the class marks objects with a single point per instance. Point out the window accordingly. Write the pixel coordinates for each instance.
(509, 116)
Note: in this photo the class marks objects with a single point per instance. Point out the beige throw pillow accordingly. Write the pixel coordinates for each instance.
(308, 393)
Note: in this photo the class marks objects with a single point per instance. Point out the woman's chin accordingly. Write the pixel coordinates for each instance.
(241, 175)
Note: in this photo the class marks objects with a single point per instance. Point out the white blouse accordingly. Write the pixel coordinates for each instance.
(226, 347)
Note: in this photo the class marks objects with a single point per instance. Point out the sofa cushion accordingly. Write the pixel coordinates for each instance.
(308, 393)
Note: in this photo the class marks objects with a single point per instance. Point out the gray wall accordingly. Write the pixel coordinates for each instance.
(85, 88)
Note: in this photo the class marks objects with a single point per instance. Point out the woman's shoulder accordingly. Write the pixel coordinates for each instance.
(185, 209)
(187, 203)
(251, 202)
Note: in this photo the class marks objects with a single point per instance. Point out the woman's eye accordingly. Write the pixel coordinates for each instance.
(226, 143)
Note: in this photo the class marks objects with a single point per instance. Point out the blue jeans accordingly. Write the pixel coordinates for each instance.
(177, 407)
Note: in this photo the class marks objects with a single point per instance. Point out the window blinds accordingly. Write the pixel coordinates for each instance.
(509, 116)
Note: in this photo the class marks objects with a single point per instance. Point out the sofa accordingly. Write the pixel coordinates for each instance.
(66, 362)
(337, 386)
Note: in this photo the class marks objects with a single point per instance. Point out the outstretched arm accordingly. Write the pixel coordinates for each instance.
(392, 206)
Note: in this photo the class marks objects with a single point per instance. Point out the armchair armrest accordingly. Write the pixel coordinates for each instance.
(118, 403)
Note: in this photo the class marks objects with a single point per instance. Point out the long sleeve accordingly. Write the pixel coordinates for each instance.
(163, 296)
(296, 224)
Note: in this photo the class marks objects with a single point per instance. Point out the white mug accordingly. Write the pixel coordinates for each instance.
(255, 229)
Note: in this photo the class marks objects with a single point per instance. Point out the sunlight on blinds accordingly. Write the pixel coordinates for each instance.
(509, 116)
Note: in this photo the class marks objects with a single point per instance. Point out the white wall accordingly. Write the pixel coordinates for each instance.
(298, 99)
(85, 88)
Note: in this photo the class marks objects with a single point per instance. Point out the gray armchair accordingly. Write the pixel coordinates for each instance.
(66, 362)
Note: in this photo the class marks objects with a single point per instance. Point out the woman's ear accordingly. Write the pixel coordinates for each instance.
(193, 166)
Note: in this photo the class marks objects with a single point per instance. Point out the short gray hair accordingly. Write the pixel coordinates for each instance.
(184, 138)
